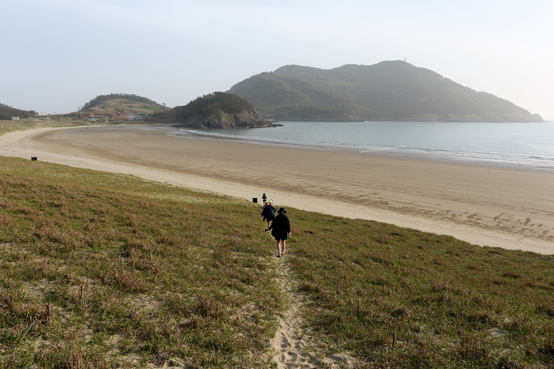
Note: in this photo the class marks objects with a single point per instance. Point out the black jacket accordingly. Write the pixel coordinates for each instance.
(268, 212)
(280, 228)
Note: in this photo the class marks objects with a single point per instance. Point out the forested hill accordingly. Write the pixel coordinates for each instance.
(7, 112)
(215, 110)
(120, 104)
(387, 91)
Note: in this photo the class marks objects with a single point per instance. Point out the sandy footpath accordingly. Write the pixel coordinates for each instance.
(485, 205)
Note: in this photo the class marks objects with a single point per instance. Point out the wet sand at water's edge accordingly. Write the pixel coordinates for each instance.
(485, 205)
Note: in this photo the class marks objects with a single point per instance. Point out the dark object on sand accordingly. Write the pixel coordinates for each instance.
(33, 158)
(255, 200)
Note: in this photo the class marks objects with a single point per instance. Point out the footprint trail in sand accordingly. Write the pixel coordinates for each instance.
(292, 346)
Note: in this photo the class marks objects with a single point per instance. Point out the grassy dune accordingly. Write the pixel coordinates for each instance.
(100, 270)
(166, 272)
(403, 298)
(9, 126)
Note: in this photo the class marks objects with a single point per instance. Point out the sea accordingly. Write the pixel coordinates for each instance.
(524, 145)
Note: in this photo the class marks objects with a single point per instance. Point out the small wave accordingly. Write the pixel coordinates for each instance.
(480, 143)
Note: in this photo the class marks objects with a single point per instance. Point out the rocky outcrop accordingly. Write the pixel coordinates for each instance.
(215, 110)
(239, 120)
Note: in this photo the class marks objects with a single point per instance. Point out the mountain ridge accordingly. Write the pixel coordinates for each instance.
(388, 91)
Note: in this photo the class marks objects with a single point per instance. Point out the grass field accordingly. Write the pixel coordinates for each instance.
(101, 270)
(402, 298)
(165, 272)
(9, 126)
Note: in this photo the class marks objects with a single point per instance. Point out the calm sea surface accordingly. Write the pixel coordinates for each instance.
(528, 145)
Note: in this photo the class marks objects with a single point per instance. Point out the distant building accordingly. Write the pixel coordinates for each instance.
(15, 118)
(138, 117)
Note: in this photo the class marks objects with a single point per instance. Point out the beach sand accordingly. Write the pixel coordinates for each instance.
(484, 205)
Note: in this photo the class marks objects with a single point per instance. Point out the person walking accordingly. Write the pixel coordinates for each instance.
(268, 213)
(280, 230)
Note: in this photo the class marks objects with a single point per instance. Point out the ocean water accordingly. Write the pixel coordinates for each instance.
(529, 145)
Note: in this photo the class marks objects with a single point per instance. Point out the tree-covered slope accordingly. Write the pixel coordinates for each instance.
(215, 110)
(391, 90)
(7, 112)
(216, 104)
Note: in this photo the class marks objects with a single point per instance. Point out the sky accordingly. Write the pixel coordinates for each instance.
(59, 54)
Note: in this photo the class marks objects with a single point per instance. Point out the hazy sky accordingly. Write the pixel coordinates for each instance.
(59, 54)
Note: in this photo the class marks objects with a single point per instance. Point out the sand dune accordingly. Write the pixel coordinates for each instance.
(485, 205)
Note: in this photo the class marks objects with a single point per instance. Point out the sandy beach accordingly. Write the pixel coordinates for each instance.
(484, 205)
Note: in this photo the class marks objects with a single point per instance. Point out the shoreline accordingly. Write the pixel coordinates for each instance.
(500, 159)
(484, 205)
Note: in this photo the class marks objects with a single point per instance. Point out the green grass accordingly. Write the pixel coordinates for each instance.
(174, 273)
(9, 126)
(167, 272)
(444, 302)
(5, 129)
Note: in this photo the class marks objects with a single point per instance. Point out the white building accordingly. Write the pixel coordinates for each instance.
(15, 118)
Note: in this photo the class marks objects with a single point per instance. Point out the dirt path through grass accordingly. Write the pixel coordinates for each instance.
(293, 346)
